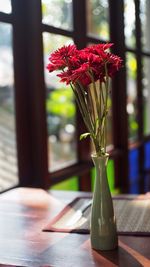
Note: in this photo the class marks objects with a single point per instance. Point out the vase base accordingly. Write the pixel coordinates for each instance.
(104, 246)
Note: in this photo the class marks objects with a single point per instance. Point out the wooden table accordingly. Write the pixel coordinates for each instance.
(23, 214)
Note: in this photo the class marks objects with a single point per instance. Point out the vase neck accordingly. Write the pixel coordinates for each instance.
(100, 164)
(100, 161)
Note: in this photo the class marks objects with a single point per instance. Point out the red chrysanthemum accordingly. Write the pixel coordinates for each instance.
(81, 75)
(79, 63)
(59, 58)
(65, 76)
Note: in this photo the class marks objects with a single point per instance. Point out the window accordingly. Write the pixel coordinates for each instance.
(8, 157)
(48, 146)
(138, 88)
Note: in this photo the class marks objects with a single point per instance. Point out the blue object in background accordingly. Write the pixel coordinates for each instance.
(147, 155)
(147, 166)
(133, 171)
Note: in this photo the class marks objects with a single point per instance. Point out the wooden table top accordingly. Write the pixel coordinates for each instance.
(23, 214)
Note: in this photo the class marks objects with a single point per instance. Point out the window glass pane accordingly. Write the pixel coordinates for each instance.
(8, 158)
(60, 111)
(131, 65)
(5, 6)
(57, 13)
(129, 19)
(145, 22)
(98, 18)
(146, 94)
(52, 42)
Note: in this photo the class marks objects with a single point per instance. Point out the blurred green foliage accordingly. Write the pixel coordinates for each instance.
(61, 103)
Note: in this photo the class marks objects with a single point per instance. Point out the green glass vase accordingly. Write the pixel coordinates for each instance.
(103, 233)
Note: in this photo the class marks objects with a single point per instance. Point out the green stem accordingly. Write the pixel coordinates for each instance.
(106, 108)
(94, 110)
(82, 108)
(95, 92)
(83, 96)
(90, 102)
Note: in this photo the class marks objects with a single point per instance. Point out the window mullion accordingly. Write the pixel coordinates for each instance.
(139, 70)
(83, 147)
(119, 96)
(29, 94)
(140, 100)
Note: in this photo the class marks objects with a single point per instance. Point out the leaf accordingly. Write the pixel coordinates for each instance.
(83, 136)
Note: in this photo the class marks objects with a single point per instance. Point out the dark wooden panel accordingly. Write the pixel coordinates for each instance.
(30, 94)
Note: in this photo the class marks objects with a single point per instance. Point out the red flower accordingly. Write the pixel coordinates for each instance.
(58, 65)
(78, 65)
(59, 58)
(99, 49)
(65, 76)
(114, 63)
(81, 75)
(100, 58)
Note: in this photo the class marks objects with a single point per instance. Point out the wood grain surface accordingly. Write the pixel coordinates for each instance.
(23, 214)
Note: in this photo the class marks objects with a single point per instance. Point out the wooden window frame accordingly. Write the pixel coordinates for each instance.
(30, 95)
(141, 138)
